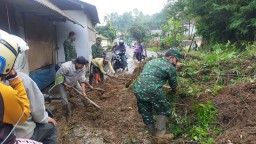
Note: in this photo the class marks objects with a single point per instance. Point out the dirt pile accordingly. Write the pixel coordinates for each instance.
(236, 113)
(117, 122)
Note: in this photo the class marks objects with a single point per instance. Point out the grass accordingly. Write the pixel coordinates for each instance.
(155, 49)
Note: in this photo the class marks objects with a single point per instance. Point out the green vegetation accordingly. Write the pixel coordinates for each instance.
(218, 21)
(155, 49)
(107, 31)
(138, 32)
(123, 22)
(228, 28)
(193, 119)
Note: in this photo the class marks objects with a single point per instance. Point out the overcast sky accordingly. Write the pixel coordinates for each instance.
(121, 6)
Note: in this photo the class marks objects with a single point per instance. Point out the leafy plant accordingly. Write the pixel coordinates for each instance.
(205, 115)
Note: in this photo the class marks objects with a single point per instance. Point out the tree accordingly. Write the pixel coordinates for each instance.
(107, 31)
(123, 22)
(138, 32)
(224, 20)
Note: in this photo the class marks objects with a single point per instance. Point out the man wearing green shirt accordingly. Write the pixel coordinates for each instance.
(69, 47)
(149, 90)
(97, 50)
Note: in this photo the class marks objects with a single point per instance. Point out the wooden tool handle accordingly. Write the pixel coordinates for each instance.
(85, 98)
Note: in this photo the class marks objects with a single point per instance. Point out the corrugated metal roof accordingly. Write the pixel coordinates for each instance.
(90, 9)
(51, 6)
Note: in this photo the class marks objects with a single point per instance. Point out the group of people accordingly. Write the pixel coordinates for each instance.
(149, 87)
(99, 61)
(73, 71)
(23, 116)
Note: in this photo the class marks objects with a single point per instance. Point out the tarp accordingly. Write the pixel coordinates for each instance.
(43, 77)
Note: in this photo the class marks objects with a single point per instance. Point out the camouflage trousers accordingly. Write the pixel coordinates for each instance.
(145, 108)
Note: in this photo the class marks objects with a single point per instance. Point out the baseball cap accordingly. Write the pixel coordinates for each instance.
(81, 60)
(174, 53)
(98, 39)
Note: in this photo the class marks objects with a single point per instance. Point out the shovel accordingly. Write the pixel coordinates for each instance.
(85, 100)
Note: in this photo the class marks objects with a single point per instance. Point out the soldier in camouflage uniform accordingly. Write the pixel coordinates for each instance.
(149, 90)
(69, 47)
(97, 50)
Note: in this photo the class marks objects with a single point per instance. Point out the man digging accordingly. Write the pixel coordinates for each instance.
(74, 76)
(150, 94)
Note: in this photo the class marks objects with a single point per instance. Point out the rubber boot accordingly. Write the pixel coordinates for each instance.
(99, 79)
(67, 107)
(96, 77)
(161, 124)
(152, 129)
(161, 137)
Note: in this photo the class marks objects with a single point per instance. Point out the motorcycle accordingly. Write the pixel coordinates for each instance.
(117, 61)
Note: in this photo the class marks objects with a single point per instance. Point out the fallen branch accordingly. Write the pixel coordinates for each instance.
(183, 141)
(235, 75)
(194, 57)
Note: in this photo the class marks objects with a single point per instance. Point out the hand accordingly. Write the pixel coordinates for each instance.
(166, 87)
(51, 120)
(11, 75)
(13, 72)
(67, 86)
(178, 64)
(91, 87)
(84, 94)
(109, 75)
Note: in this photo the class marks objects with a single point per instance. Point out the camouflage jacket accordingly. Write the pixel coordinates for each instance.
(155, 74)
(70, 50)
(97, 51)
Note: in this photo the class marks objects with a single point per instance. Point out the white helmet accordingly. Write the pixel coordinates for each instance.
(8, 52)
(21, 59)
(21, 43)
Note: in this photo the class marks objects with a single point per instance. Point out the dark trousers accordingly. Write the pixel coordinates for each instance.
(138, 56)
(93, 70)
(124, 61)
(45, 133)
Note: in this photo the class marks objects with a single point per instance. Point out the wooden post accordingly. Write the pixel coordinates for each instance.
(191, 42)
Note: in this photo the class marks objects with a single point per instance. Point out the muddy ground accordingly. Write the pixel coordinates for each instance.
(116, 122)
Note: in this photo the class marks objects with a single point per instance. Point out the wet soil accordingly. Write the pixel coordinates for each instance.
(236, 113)
(116, 122)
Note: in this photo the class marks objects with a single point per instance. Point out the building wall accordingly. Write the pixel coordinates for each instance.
(84, 34)
(7, 18)
(40, 37)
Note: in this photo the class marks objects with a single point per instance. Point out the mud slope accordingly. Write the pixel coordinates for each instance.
(236, 113)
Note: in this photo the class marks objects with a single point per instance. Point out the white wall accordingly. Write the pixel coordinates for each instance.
(63, 28)
(191, 31)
